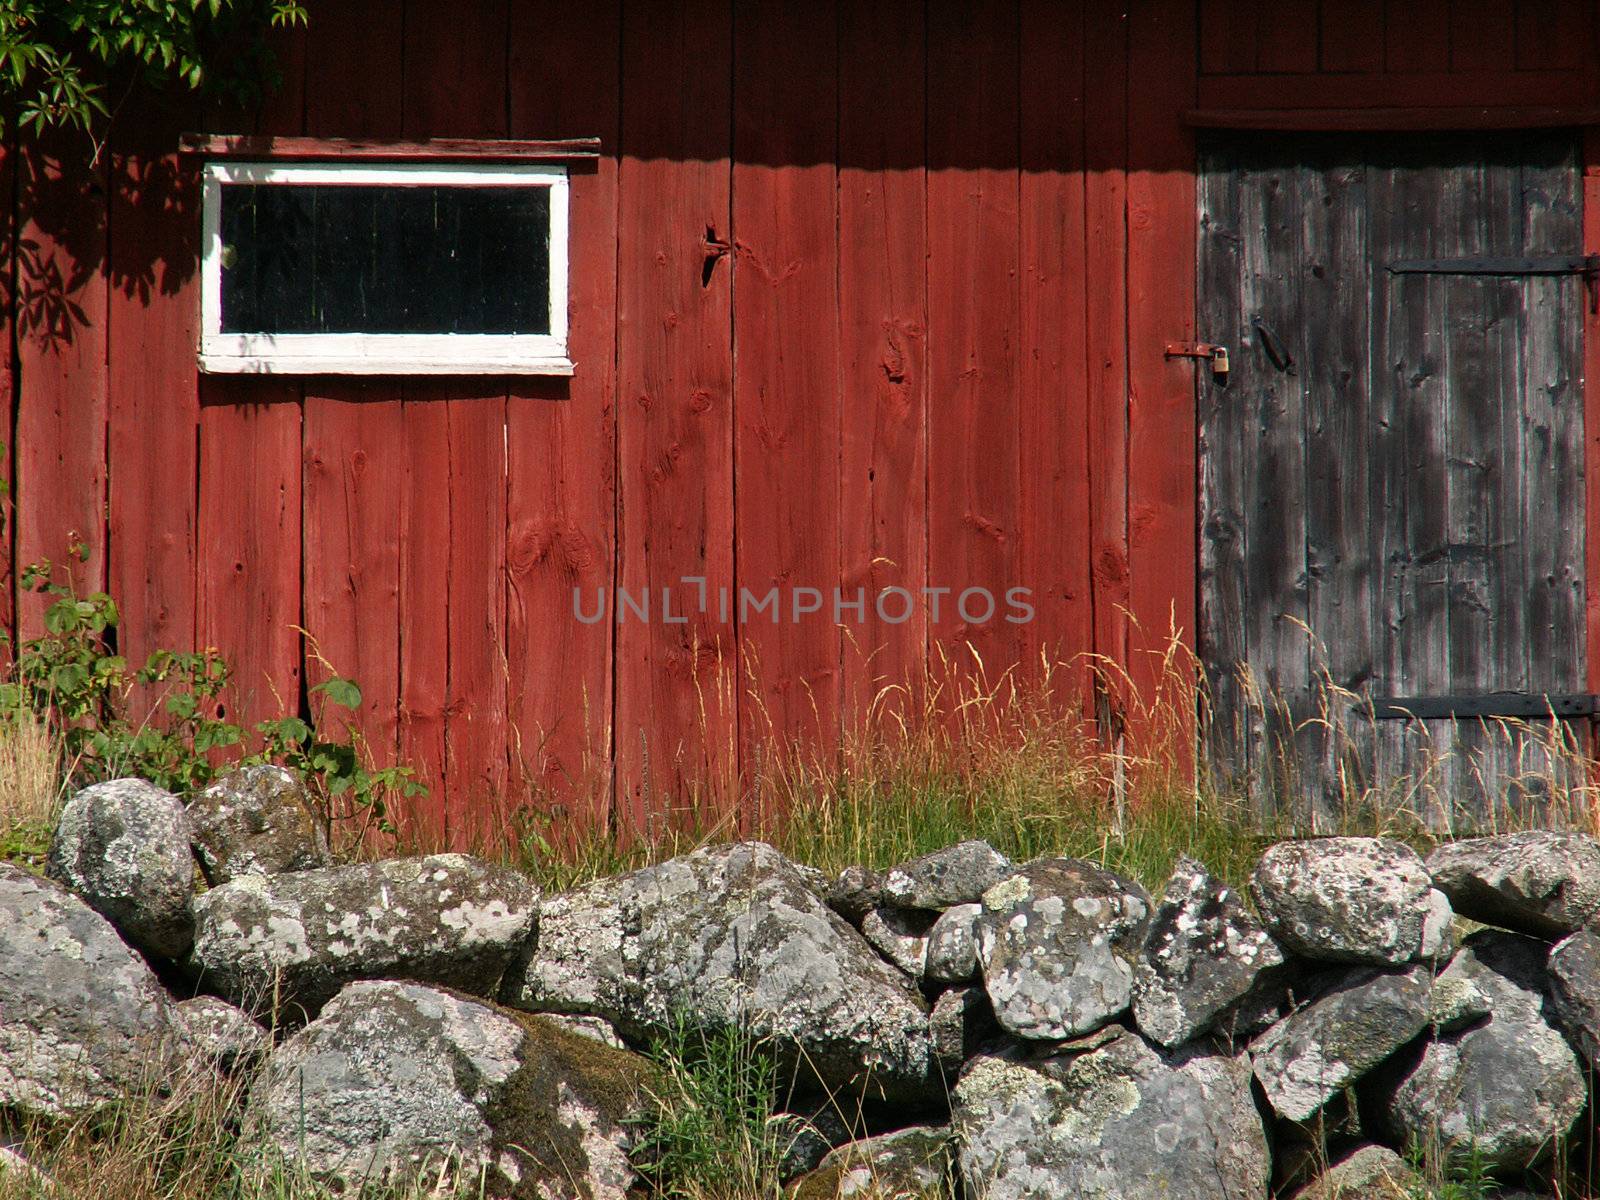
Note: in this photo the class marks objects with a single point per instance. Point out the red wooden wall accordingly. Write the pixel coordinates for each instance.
(864, 294)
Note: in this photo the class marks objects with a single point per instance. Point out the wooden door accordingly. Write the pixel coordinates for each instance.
(1392, 472)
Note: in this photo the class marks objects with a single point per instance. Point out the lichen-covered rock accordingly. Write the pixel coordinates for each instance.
(1307, 1058)
(1367, 1173)
(802, 1140)
(1121, 1122)
(213, 1032)
(1440, 938)
(1458, 998)
(1345, 899)
(256, 821)
(730, 936)
(1203, 955)
(1574, 967)
(958, 874)
(394, 1080)
(598, 1028)
(83, 1020)
(953, 945)
(1542, 883)
(575, 964)
(908, 1164)
(1055, 941)
(960, 1021)
(1510, 1084)
(123, 846)
(295, 939)
(21, 1178)
(856, 892)
(901, 936)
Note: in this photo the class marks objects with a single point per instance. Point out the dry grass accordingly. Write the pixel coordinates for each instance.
(30, 786)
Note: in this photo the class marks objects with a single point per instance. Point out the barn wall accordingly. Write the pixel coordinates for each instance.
(862, 295)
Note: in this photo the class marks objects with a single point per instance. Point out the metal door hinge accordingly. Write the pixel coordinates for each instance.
(1216, 355)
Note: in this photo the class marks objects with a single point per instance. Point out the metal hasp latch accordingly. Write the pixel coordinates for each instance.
(1217, 355)
(1587, 265)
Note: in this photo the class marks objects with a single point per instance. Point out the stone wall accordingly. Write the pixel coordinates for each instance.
(1003, 1030)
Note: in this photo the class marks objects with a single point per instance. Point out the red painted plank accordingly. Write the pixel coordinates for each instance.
(1105, 324)
(461, 51)
(676, 712)
(1352, 36)
(1555, 34)
(883, 322)
(424, 518)
(786, 366)
(1286, 36)
(374, 149)
(354, 476)
(61, 359)
(153, 383)
(1229, 46)
(8, 375)
(248, 586)
(1417, 36)
(1482, 35)
(1055, 530)
(561, 439)
(1162, 464)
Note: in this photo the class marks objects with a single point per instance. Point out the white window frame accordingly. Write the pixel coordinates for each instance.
(380, 353)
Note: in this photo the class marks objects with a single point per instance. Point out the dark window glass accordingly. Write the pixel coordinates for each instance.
(334, 258)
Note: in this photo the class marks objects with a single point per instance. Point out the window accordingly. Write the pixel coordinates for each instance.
(384, 268)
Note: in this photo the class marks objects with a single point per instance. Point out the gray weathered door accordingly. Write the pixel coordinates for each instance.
(1392, 475)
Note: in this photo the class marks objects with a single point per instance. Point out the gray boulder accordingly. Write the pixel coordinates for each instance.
(909, 1164)
(960, 1022)
(598, 1028)
(901, 936)
(1345, 899)
(1121, 1122)
(802, 1140)
(1055, 941)
(730, 937)
(1510, 1084)
(1459, 997)
(958, 874)
(295, 939)
(215, 1033)
(1542, 883)
(1367, 1173)
(256, 821)
(83, 1021)
(856, 892)
(1311, 1055)
(124, 847)
(1574, 968)
(397, 1080)
(953, 945)
(1203, 957)
(575, 964)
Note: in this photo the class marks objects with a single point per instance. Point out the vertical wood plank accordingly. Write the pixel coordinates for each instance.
(152, 382)
(1229, 44)
(1590, 401)
(561, 439)
(61, 360)
(424, 520)
(1225, 467)
(676, 714)
(1417, 35)
(1482, 35)
(1554, 34)
(1287, 36)
(458, 56)
(1105, 321)
(883, 319)
(974, 322)
(9, 380)
(1161, 391)
(1055, 527)
(352, 439)
(1352, 36)
(1335, 284)
(786, 366)
(248, 590)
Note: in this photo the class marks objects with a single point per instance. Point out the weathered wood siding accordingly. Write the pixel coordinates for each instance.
(862, 295)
